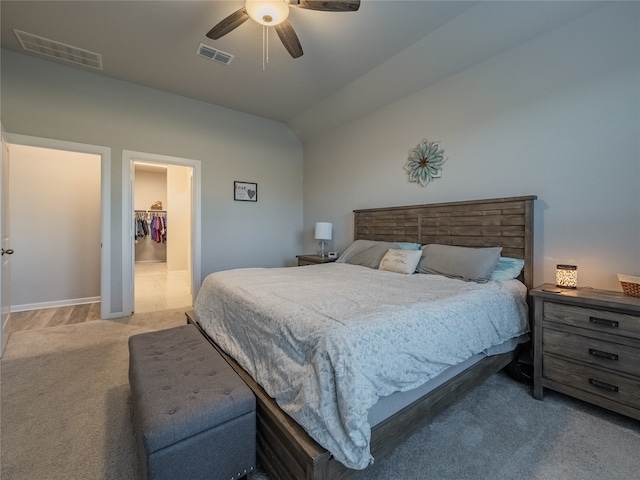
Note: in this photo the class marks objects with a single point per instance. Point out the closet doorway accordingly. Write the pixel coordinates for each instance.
(164, 242)
(161, 245)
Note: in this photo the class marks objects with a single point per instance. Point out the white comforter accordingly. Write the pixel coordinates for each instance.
(326, 341)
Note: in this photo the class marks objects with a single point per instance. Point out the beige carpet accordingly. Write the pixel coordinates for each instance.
(66, 416)
(66, 403)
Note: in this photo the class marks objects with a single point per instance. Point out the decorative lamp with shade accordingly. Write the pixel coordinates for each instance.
(323, 233)
(566, 276)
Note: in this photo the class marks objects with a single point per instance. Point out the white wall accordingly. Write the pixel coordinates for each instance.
(149, 188)
(44, 99)
(557, 117)
(179, 225)
(54, 211)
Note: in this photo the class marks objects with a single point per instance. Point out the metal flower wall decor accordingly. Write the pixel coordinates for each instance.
(425, 162)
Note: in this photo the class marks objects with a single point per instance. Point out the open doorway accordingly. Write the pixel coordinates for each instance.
(71, 256)
(162, 213)
(162, 196)
(55, 220)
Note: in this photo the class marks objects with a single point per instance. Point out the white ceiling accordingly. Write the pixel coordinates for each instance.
(353, 62)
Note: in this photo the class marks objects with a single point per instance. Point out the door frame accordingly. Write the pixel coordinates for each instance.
(128, 252)
(5, 264)
(105, 204)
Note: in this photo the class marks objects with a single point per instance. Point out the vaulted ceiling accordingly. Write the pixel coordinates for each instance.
(353, 62)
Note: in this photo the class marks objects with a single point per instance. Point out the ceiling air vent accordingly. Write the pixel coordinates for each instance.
(58, 50)
(214, 54)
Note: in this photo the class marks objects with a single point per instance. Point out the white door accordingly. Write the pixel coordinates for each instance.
(132, 239)
(5, 271)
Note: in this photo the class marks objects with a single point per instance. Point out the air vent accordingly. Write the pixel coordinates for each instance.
(57, 50)
(214, 54)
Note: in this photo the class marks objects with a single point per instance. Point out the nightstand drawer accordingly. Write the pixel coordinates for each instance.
(593, 319)
(621, 358)
(620, 388)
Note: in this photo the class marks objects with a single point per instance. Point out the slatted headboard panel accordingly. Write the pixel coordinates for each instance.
(499, 222)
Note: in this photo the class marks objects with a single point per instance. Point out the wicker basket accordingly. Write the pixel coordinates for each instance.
(630, 285)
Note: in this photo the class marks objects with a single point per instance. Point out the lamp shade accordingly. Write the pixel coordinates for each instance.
(323, 230)
(566, 276)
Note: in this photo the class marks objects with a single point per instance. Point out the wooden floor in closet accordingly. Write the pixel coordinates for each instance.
(155, 289)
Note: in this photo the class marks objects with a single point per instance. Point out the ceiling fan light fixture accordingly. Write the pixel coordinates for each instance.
(268, 12)
(274, 13)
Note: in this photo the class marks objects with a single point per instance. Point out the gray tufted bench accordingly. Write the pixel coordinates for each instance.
(194, 417)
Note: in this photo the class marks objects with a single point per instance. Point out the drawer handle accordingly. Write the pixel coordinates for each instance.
(601, 354)
(603, 385)
(603, 322)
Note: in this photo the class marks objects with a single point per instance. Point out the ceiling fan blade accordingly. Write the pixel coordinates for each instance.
(327, 6)
(289, 38)
(228, 24)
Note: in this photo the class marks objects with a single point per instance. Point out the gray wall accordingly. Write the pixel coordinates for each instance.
(43, 99)
(557, 117)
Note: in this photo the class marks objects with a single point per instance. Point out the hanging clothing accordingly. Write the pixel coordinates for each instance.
(141, 225)
(159, 228)
(155, 226)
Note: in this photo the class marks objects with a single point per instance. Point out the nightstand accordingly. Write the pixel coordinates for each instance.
(313, 259)
(586, 344)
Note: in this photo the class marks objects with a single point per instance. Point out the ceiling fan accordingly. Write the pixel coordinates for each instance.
(274, 13)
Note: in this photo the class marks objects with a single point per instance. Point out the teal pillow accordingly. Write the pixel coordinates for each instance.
(408, 246)
(507, 269)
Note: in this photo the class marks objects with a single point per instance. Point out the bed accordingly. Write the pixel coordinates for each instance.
(285, 449)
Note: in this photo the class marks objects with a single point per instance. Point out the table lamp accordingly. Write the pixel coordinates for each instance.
(323, 233)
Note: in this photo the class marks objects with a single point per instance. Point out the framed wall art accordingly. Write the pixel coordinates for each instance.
(245, 191)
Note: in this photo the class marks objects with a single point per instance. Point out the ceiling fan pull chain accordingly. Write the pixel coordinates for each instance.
(265, 46)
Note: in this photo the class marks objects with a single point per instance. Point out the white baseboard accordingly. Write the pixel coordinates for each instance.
(55, 304)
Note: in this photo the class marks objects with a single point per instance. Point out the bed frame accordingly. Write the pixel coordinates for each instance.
(284, 448)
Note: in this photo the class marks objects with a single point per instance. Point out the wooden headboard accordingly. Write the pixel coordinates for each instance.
(497, 222)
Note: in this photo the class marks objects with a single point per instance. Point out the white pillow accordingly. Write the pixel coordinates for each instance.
(400, 261)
